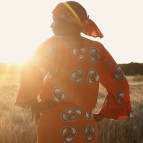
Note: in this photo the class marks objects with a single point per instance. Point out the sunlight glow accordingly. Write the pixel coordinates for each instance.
(26, 24)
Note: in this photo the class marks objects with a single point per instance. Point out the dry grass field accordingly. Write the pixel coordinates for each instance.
(16, 125)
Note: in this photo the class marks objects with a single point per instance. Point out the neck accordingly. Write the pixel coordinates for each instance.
(72, 37)
(77, 41)
(74, 40)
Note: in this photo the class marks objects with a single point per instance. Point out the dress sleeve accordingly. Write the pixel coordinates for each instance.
(117, 101)
(33, 72)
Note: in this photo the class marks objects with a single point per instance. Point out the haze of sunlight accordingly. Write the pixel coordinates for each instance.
(24, 25)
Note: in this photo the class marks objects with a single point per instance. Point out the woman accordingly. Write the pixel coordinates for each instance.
(72, 67)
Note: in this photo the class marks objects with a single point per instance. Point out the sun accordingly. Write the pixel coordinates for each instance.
(14, 56)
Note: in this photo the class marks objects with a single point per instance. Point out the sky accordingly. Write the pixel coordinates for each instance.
(25, 24)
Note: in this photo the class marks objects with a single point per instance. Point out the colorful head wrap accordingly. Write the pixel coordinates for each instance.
(65, 12)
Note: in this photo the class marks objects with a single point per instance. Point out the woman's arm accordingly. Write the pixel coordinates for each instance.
(33, 72)
(117, 102)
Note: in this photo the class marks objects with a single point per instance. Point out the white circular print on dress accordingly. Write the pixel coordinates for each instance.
(93, 77)
(41, 71)
(51, 52)
(58, 94)
(69, 133)
(77, 75)
(79, 53)
(88, 115)
(120, 97)
(118, 74)
(52, 73)
(71, 114)
(89, 133)
(94, 55)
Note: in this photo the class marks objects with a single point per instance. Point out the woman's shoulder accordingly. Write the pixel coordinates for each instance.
(49, 43)
(97, 43)
(97, 47)
(53, 40)
(89, 43)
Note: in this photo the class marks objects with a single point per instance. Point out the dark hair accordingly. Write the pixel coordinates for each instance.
(79, 10)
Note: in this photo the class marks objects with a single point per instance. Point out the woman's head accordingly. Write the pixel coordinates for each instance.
(62, 26)
(78, 9)
(70, 17)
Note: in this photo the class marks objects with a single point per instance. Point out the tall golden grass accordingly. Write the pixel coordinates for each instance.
(16, 125)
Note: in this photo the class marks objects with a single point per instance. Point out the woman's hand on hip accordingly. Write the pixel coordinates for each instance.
(98, 117)
(37, 109)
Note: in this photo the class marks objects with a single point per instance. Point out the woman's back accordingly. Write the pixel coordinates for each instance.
(74, 71)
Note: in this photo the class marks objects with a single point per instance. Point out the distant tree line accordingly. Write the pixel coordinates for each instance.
(128, 69)
(132, 68)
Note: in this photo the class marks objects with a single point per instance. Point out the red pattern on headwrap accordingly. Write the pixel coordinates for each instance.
(88, 26)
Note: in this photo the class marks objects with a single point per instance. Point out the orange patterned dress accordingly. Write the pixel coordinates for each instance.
(70, 77)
